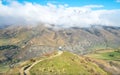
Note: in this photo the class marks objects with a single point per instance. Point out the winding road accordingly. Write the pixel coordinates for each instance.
(26, 69)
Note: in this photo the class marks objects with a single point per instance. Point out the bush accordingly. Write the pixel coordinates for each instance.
(111, 55)
(8, 47)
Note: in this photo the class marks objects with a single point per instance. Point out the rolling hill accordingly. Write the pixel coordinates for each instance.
(67, 64)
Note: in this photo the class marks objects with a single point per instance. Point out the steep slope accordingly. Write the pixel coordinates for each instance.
(37, 40)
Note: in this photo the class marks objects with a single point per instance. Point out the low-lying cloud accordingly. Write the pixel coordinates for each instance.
(16, 13)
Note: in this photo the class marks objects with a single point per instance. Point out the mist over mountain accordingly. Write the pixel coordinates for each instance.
(26, 13)
(35, 41)
(59, 37)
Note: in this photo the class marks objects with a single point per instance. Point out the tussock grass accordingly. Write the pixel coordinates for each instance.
(66, 64)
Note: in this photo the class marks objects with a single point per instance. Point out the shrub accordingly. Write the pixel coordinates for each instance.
(8, 47)
(111, 55)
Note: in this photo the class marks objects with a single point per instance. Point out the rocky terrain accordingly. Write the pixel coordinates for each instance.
(35, 41)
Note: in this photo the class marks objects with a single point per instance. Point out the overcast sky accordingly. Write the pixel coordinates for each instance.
(63, 13)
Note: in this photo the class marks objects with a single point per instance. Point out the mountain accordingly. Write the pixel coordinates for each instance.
(34, 41)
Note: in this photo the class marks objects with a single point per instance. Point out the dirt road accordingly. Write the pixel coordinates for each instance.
(26, 69)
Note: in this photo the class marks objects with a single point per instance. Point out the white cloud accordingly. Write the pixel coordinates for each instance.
(59, 15)
(118, 1)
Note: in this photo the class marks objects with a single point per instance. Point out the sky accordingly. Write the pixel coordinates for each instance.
(64, 13)
(109, 4)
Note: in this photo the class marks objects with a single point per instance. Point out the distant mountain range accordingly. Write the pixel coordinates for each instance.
(26, 42)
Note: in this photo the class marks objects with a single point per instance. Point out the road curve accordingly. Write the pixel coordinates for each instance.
(26, 69)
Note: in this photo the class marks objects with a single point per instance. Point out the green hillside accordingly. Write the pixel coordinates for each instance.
(66, 64)
(109, 55)
(109, 60)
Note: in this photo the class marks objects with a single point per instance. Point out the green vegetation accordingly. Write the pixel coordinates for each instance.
(109, 60)
(8, 47)
(66, 64)
(113, 55)
(3, 68)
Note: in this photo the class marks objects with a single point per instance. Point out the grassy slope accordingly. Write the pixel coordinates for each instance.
(109, 60)
(20, 36)
(3, 68)
(66, 64)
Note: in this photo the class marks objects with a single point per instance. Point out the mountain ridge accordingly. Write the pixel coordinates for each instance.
(36, 40)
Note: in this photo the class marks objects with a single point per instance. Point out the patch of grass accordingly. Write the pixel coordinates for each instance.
(106, 55)
(97, 47)
(4, 68)
(111, 55)
(66, 64)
